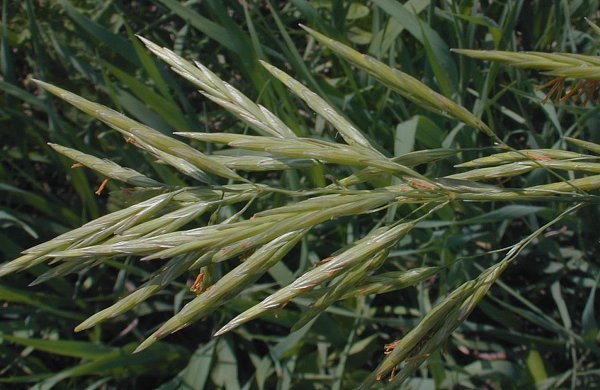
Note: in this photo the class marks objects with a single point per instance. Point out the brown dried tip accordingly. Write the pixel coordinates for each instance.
(101, 188)
(77, 165)
(131, 140)
(420, 184)
(393, 374)
(538, 156)
(388, 348)
(197, 287)
(419, 356)
(325, 260)
(587, 87)
(576, 93)
(556, 87)
(484, 245)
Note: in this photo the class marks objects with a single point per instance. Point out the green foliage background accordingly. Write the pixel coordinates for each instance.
(537, 328)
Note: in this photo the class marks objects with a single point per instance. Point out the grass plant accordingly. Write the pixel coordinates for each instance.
(231, 227)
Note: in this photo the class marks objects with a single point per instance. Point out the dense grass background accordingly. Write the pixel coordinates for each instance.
(538, 327)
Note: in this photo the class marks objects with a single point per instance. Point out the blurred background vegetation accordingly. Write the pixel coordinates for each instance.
(537, 329)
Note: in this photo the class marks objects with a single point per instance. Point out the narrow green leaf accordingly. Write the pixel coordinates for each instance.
(72, 348)
(437, 51)
(405, 135)
(115, 42)
(535, 365)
